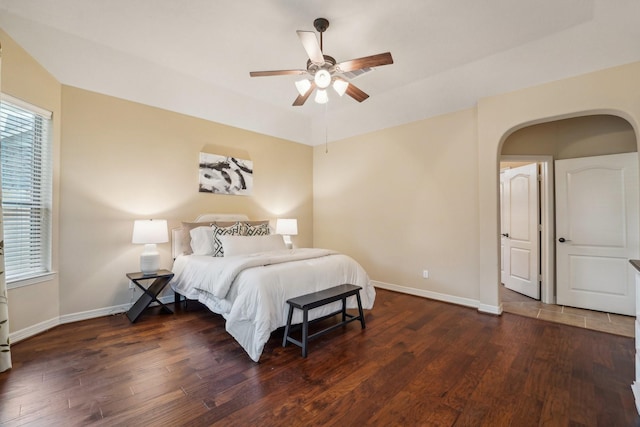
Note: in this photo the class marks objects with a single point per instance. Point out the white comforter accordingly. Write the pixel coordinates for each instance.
(250, 291)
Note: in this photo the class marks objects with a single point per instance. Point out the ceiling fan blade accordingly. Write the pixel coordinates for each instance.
(301, 99)
(365, 62)
(356, 93)
(311, 46)
(276, 73)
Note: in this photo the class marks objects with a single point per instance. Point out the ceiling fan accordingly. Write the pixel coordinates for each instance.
(323, 71)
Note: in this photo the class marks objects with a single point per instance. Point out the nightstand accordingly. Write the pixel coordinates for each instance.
(150, 293)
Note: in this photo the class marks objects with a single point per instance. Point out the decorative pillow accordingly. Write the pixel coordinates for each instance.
(233, 230)
(202, 240)
(242, 245)
(188, 226)
(256, 228)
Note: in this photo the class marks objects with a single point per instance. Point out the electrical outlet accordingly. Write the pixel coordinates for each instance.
(425, 274)
(131, 285)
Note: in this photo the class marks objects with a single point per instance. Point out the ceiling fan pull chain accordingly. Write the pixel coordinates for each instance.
(326, 126)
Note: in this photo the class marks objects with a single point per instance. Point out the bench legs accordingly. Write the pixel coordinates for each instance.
(288, 327)
(305, 331)
(303, 343)
(361, 314)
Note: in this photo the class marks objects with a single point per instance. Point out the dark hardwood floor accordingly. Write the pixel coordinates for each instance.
(418, 362)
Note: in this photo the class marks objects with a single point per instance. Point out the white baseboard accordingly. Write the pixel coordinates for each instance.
(116, 309)
(490, 309)
(75, 317)
(32, 330)
(635, 387)
(467, 302)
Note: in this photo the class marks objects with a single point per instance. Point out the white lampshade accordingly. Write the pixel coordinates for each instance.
(303, 86)
(340, 86)
(322, 79)
(321, 96)
(149, 232)
(287, 227)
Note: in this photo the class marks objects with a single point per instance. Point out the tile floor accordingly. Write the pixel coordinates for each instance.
(515, 303)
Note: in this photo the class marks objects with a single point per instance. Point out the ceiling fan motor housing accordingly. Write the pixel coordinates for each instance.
(321, 24)
(329, 65)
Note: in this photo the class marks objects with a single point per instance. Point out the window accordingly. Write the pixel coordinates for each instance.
(25, 161)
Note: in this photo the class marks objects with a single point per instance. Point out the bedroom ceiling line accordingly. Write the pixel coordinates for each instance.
(193, 57)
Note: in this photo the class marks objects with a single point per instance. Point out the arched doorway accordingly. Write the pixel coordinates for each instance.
(577, 137)
(601, 92)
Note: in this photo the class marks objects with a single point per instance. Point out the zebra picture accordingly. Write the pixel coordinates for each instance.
(225, 175)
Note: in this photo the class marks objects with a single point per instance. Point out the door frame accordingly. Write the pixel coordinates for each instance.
(547, 220)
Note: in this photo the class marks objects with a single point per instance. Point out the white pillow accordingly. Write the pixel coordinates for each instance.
(202, 240)
(232, 230)
(242, 245)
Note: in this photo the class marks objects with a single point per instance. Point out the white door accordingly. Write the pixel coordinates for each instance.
(597, 232)
(504, 227)
(520, 235)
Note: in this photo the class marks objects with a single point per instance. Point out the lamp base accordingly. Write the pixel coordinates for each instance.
(150, 259)
(287, 241)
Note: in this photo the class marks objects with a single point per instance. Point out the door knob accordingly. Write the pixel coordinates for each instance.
(505, 234)
(562, 240)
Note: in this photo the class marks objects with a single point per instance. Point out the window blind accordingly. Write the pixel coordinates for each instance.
(25, 162)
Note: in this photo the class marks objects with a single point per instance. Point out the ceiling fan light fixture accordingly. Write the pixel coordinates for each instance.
(303, 86)
(340, 86)
(323, 70)
(321, 96)
(322, 79)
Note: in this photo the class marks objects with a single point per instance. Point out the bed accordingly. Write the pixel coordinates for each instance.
(242, 271)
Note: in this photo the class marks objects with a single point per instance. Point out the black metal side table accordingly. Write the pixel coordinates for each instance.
(150, 293)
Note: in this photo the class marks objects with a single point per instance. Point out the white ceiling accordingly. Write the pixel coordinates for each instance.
(194, 56)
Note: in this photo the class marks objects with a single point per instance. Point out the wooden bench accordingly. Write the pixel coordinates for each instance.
(317, 299)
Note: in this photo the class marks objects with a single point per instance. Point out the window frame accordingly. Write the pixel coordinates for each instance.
(44, 260)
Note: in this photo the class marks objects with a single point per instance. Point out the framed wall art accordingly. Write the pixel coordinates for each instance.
(225, 175)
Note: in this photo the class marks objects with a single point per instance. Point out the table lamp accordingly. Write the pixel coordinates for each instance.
(287, 227)
(149, 232)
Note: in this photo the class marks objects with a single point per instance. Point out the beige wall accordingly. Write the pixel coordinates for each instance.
(419, 196)
(584, 136)
(425, 195)
(116, 161)
(123, 161)
(24, 78)
(403, 200)
(611, 91)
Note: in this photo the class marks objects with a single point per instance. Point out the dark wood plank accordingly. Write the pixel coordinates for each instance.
(419, 362)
